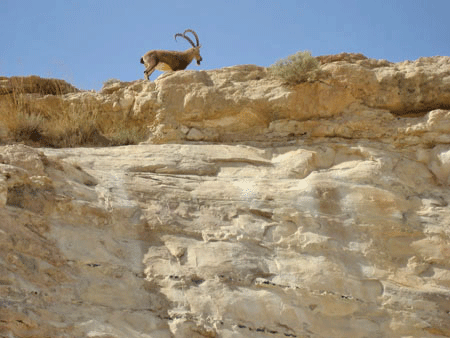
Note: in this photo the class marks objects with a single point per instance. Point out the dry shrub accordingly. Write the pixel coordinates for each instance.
(131, 135)
(21, 121)
(35, 130)
(25, 127)
(36, 85)
(296, 68)
(110, 82)
(74, 130)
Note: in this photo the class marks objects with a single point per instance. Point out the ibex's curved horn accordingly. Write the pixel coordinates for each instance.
(195, 34)
(178, 34)
(187, 38)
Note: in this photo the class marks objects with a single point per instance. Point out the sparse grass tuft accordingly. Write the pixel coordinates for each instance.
(297, 68)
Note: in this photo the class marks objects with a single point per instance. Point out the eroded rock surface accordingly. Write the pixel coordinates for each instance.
(323, 239)
(331, 220)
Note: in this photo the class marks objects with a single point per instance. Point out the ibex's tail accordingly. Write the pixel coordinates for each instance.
(142, 60)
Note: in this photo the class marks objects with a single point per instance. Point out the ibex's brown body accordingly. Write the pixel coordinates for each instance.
(171, 60)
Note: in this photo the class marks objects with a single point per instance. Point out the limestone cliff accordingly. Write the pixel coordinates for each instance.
(255, 209)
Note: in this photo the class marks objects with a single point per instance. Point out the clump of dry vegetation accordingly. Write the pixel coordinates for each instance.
(24, 120)
(297, 68)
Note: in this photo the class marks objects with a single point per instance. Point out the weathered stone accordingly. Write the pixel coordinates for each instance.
(330, 221)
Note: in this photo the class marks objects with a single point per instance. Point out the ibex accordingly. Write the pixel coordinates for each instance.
(165, 60)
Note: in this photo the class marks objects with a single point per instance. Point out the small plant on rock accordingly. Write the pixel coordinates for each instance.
(296, 68)
(110, 82)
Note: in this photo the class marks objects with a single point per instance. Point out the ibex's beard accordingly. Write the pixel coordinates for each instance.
(198, 62)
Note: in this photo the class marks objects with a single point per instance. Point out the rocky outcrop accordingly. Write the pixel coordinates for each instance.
(245, 104)
(319, 210)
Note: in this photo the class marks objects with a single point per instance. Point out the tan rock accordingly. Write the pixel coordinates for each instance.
(288, 240)
(330, 220)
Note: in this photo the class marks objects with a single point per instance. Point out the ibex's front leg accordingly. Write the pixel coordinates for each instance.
(148, 71)
(150, 63)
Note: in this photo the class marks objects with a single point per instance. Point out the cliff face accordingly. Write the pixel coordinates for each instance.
(316, 210)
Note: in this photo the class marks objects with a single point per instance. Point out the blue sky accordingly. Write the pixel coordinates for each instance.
(87, 42)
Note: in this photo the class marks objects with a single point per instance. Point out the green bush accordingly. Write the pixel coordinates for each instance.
(296, 68)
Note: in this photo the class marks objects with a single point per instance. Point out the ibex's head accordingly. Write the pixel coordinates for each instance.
(196, 47)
